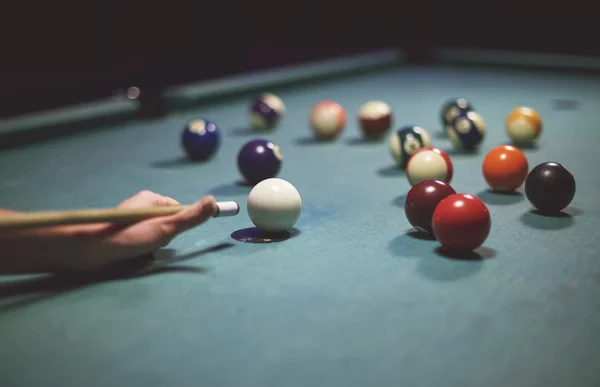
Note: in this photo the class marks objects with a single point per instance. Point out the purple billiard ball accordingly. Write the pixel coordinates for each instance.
(266, 111)
(200, 139)
(258, 160)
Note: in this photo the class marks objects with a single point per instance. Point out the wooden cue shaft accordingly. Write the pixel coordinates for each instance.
(103, 215)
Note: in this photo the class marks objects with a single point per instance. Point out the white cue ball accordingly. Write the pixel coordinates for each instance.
(274, 205)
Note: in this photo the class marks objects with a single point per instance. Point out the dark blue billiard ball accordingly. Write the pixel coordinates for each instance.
(266, 111)
(453, 108)
(467, 131)
(258, 160)
(200, 139)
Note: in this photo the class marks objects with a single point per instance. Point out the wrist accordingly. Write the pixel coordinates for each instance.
(46, 250)
(80, 246)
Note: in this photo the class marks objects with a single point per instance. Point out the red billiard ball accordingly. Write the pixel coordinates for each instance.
(375, 118)
(461, 222)
(505, 168)
(421, 201)
(429, 163)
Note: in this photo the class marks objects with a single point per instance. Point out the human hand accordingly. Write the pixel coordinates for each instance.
(108, 244)
(93, 247)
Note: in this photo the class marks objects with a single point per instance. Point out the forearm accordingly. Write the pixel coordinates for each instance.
(92, 247)
(41, 250)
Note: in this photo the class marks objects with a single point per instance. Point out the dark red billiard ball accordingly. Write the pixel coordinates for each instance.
(461, 222)
(421, 201)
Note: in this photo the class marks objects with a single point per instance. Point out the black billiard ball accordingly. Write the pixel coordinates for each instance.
(421, 201)
(200, 139)
(550, 187)
(258, 160)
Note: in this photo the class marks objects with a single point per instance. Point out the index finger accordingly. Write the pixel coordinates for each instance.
(191, 217)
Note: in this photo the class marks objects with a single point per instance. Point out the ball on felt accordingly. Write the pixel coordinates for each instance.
(259, 159)
(523, 125)
(327, 120)
(453, 108)
(429, 163)
(467, 130)
(421, 201)
(461, 222)
(505, 168)
(200, 139)
(406, 141)
(374, 119)
(550, 187)
(266, 111)
(274, 205)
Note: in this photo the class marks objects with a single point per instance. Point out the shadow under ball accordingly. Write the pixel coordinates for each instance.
(550, 187)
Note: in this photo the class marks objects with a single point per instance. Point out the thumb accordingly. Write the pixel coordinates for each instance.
(191, 217)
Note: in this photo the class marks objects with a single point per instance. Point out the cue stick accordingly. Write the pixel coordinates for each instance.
(102, 215)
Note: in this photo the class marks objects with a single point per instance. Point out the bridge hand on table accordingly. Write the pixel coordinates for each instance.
(95, 246)
(122, 241)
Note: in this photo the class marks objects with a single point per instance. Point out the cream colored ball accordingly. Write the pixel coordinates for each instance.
(274, 205)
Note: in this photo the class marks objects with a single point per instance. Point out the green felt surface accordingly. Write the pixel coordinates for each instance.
(353, 299)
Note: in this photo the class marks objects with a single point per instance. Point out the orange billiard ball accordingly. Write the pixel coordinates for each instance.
(505, 168)
(523, 125)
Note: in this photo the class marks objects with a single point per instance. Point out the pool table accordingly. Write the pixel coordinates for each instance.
(354, 297)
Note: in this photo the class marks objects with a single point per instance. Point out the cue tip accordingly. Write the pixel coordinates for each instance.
(225, 209)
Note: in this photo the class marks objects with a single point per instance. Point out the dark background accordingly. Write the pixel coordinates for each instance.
(63, 52)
